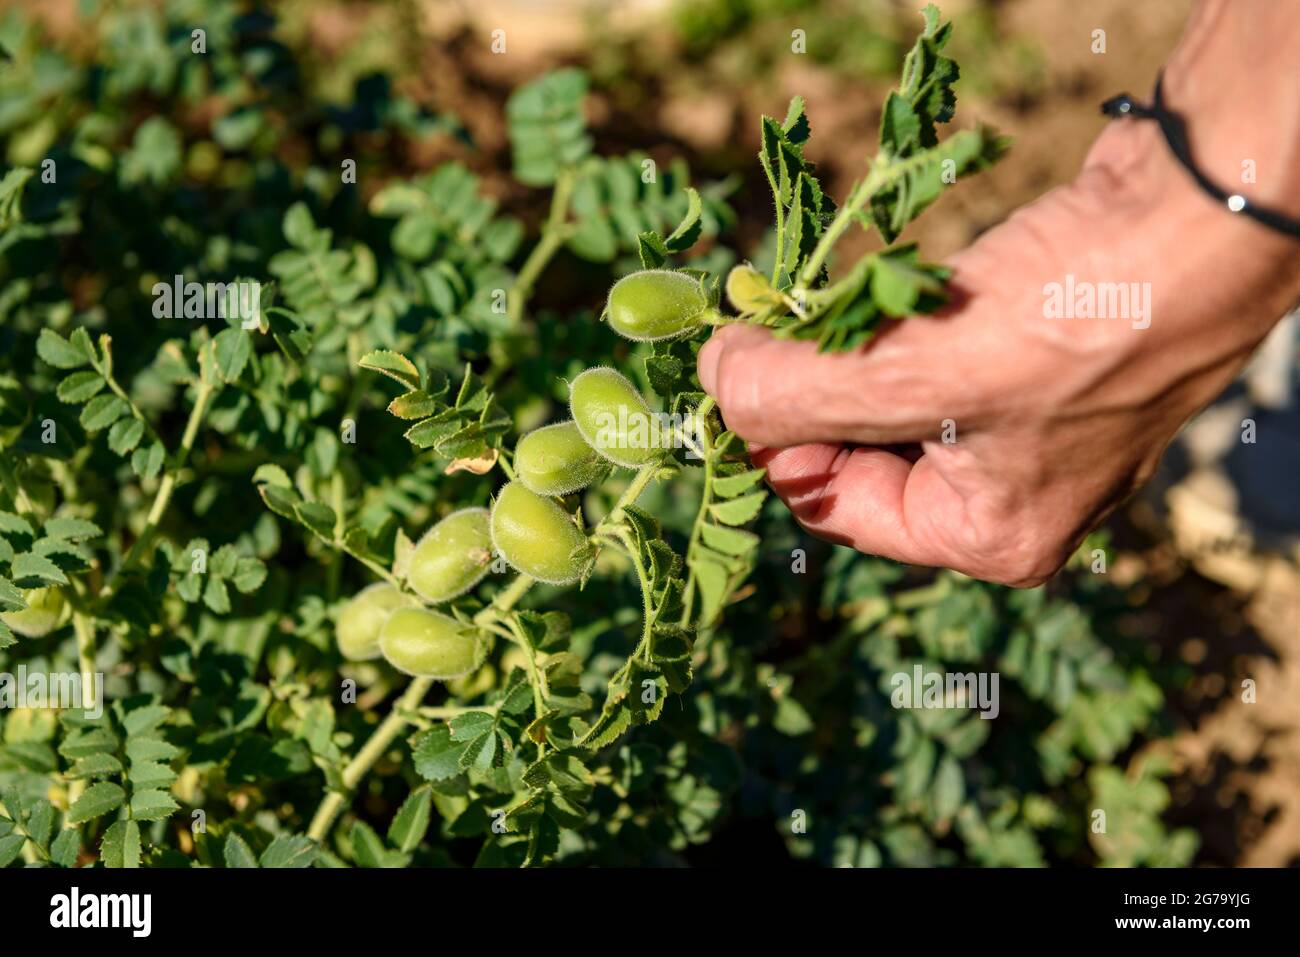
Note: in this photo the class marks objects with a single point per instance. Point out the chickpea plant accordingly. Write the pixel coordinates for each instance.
(530, 744)
(444, 557)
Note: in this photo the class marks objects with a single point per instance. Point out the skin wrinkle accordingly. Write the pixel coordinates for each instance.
(1057, 420)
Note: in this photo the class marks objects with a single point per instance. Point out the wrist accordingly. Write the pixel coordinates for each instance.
(1217, 277)
(1233, 81)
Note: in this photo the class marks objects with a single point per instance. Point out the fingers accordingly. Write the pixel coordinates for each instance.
(782, 392)
(870, 499)
(879, 502)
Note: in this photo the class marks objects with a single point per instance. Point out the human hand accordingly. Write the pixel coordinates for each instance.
(990, 438)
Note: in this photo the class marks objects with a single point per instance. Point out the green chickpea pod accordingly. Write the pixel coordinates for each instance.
(537, 537)
(656, 304)
(427, 644)
(614, 418)
(452, 557)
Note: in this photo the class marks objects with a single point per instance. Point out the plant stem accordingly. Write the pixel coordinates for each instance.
(843, 218)
(338, 504)
(365, 759)
(446, 712)
(397, 719)
(884, 172)
(85, 631)
(117, 390)
(535, 677)
(706, 499)
(554, 233)
(82, 623)
(374, 566)
(644, 477)
(645, 647)
(162, 499)
(779, 254)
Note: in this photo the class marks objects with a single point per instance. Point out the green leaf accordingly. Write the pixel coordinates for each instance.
(948, 789)
(414, 405)
(232, 349)
(738, 511)
(73, 529)
(40, 823)
(395, 366)
(795, 126)
(11, 599)
(732, 485)
(216, 596)
(142, 720)
(150, 749)
(249, 575)
(80, 386)
(298, 226)
(101, 764)
(281, 499)
(900, 126)
(31, 566)
(729, 541)
(897, 283)
(10, 848)
(272, 475)
(125, 435)
(543, 840)
(471, 724)
(152, 805)
(59, 352)
(102, 411)
(147, 461)
(611, 726)
(290, 850)
(433, 431)
(15, 525)
(367, 848)
(436, 755)
(289, 332)
(87, 741)
(236, 852)
(565, 772)
(63, 849)
(146, 775)
(97, 800)
(791, 717)
(688, 230)
(155, 153)
(547, 127)
(411, 821)
(120, 846)
(652, 249)
(320, 518)
(711, 579)
(13, 183)
(481, 754)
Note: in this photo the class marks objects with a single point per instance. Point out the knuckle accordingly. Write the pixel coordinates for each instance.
(1029, 567)
(1017, 555)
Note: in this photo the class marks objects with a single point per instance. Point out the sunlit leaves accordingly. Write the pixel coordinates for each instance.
(547, 128)
(315, 278)
(464, 426)
(155, 154)
(621, 204)
(721, 553)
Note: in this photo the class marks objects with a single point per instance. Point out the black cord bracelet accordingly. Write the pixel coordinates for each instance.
(1171, 124)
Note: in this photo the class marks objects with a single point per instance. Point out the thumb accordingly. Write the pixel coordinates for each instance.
(783, 392)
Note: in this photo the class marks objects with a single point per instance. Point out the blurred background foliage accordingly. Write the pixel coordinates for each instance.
(786, 747)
